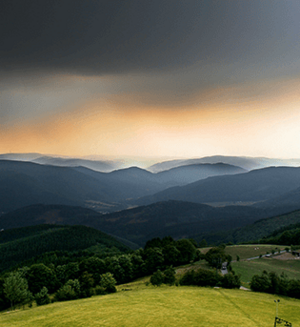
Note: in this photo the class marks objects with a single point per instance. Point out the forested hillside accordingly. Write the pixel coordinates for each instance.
(256, 231)
(49, 214)
(17, 245)
(175, 218)
(170, 218)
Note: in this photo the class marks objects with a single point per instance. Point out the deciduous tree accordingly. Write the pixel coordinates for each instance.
(16, 289)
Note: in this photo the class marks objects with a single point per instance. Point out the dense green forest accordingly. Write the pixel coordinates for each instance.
(270, 282)
(288, 235)
(20, 244)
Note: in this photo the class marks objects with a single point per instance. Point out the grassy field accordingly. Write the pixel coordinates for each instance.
(248, 250)
(255, 267)
(252, 250)
(163, 306)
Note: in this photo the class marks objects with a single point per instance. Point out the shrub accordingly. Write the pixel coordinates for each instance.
(260, 283)
(70, 291)
(201, 277)
(74, 283)
(157, 278)
(231, 281)
(169, 276)
(42, 297)
(294, 288)
(204, 277)
(65, 293)
(188, 278)
(108, 282)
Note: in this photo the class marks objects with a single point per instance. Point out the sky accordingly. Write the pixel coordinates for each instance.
(145, 79)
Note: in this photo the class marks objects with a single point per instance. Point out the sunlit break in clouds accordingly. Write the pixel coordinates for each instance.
(150, 79)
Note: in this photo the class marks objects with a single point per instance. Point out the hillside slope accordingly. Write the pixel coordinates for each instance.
(168, 307)
(286, 202)
(252, 232)
(177, 219)
(254, 186)
(20, 244)
(49, 214)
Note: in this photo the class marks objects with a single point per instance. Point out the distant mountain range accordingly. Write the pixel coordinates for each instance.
(191, 173)
(26, 183)
(248, 163)
(195, 199)
(254, 186)
(20, 156)
(98, 165)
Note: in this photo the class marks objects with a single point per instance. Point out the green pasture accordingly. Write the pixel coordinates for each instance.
(248, 250)
(142, 305)
(251, 250)
(246, 269)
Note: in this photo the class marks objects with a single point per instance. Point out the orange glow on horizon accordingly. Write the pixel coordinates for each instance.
(221, 121)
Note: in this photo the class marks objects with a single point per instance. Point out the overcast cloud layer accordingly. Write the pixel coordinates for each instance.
(100, 37)
(59, 56)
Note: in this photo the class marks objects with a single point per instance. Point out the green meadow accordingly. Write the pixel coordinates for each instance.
(248, 250)
(251, 250)
(162, 306)
(246, 269)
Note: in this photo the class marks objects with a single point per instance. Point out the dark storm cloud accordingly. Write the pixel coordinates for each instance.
(100, 37)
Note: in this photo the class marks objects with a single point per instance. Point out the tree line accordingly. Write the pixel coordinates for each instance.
(67, 277)
(215, 257)
(25, 243)
(284, 236)
(270, 282)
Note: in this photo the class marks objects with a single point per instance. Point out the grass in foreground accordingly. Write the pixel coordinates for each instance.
(163, 306)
